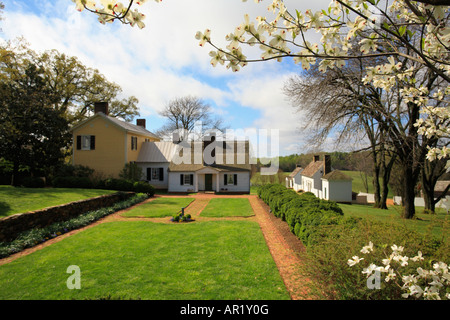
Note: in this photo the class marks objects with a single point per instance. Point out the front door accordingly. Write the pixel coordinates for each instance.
(208, 182)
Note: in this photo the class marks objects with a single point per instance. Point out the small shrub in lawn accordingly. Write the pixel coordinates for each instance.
(144, 187)
(72, 182)
(180, 217)
(118, 184)
(33, 182)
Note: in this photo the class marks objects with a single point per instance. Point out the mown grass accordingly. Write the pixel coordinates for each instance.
(160, 207)
(228, 207)
(216, 260)
(432, 224)
(19, 200)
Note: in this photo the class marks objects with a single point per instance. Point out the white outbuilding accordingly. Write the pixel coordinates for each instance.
(337, 186)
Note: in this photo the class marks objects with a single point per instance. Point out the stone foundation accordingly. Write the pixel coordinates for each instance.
(12, 226)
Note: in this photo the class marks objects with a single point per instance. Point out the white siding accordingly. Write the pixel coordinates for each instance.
(175, 186)
(157, 184)
(243, 182)
(297, 183)
(339, 191)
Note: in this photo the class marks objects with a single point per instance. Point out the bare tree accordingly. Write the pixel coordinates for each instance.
(184, 114)
(339, 101)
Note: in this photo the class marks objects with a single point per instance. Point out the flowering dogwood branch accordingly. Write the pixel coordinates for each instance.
(403, 30)
(427, 284)
(111, 10)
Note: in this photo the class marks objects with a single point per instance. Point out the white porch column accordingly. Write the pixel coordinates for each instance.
(217, 182)
(196, 182)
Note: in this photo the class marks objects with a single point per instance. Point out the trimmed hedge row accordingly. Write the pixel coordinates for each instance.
(304, 213)
(108, 184)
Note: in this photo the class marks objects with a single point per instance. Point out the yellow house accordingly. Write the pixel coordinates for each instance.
(106, 144)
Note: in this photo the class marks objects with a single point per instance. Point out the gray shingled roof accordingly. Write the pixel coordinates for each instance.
(336, 175)
(296, 170)
(121, 124)
(161, 151)
(130, 127)
(234, 165)
(312, 168)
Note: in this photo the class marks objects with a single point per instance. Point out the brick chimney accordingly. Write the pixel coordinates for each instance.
(176, 137)
(140, 123)
(101, 107)
(326, 164)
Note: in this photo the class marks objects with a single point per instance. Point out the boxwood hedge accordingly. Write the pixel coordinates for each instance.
(304, 212)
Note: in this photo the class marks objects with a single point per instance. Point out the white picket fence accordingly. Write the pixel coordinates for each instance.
(364, 198)
(420, 202)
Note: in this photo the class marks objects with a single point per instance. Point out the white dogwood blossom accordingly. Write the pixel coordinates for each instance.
(110, 10)
(426, 284)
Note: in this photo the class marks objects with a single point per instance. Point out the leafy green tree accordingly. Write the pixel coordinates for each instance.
(78, 87)
(74, 86)
(32, 133)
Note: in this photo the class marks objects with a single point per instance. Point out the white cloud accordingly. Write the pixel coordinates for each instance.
(264, 92)
(163, 60)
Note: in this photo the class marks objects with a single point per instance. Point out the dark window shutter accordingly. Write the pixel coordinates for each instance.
(225, 179)
(235, 179)
(78, 142)
(181, 179)
(192, 180)
(149, 174)
(92, 142)
(161, 174)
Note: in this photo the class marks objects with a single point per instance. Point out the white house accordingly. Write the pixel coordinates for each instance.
(325, 183)
(294, 180)
(154, 159)
(312, 175)
(337, 186)
(216, 166)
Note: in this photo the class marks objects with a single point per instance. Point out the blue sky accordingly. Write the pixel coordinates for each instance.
(163, 61)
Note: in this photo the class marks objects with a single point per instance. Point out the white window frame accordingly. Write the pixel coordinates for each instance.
(155, 174)
(85, 142)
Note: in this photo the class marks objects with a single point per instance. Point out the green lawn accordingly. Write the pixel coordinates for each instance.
(358, 185)
(259, 179)
(228, 207)
(18, 200)
(425, 223)
(160, 207)
(215, 260)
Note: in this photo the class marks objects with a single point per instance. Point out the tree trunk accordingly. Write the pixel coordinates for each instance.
(430, 205)
(376, 185)
(384, 194)
(409, 185)
(15, 173)
(387, 168)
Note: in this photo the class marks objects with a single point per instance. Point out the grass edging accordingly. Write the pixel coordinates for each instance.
(36, 236)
